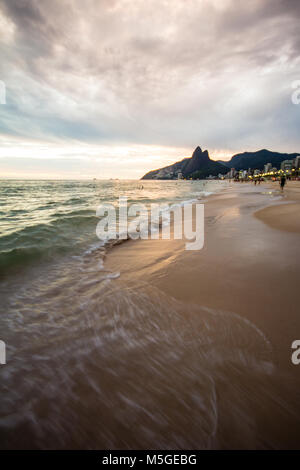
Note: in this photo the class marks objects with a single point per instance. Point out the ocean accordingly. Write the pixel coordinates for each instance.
(112, 354)
(42, 221)
(76, 351)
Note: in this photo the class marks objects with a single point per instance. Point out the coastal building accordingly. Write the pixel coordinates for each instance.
(256, 172)
(297, 162)
(232, 173)
(242, 174)
(267, 167)
(179, 175)
(287, 165)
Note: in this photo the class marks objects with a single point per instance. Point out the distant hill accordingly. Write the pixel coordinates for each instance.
(257, 160)
(198, 166)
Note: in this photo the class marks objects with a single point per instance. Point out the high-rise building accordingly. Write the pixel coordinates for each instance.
(232, 173)
(267, 167)
(286, 165)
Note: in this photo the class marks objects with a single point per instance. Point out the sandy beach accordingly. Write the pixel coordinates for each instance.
(284, 217)
(149, 346)
(251, 248)
(248, 268)
(149, 229)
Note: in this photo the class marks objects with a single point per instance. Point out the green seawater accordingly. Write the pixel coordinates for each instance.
(40, 220)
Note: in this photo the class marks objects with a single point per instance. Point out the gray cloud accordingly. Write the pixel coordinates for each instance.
(214, 73)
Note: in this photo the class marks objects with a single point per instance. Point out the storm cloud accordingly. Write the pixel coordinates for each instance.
(168, 73)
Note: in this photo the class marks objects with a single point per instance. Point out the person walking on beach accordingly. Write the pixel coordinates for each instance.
(282, 182)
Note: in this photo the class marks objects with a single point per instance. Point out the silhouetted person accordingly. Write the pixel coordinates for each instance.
(282, 182)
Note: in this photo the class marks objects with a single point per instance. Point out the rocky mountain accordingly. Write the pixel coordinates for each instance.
(257, 160)
(198, 166)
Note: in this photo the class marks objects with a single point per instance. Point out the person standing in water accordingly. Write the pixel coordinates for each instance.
(282, 181)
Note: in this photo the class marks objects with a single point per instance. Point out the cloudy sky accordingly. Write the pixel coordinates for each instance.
(114, 88)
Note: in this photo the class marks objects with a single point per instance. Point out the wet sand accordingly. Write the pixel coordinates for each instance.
(246, 266)
(162, 348)
(249, 267)
(284, 217)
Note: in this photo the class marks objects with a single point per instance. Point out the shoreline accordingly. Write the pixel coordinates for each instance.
(174, 349)
(240, 249)
(247, 269)
(223, 211)
(284, 217)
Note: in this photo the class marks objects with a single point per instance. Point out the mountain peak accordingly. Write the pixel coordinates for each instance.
(257, 160)
(199, 154)
(199, 165)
